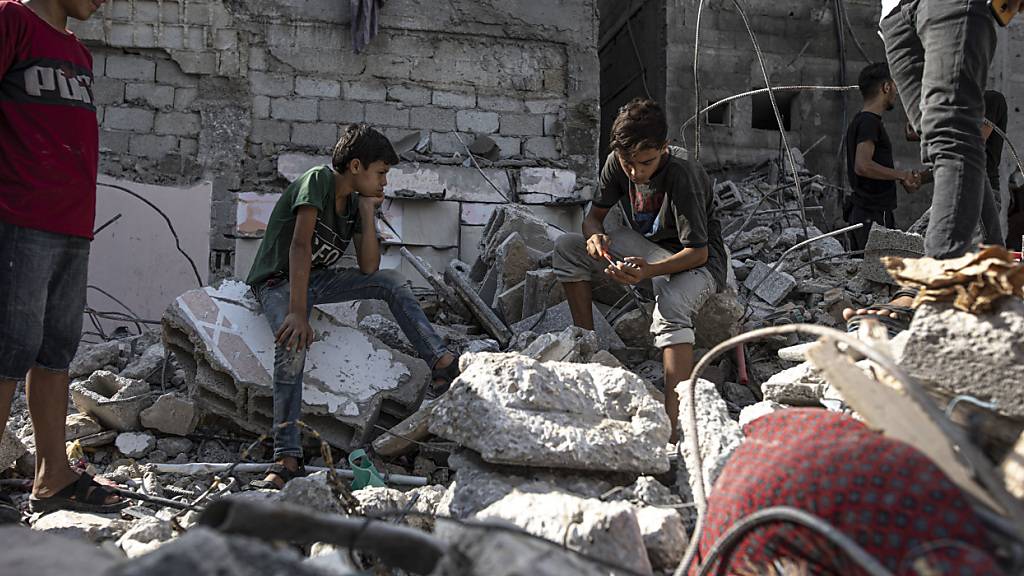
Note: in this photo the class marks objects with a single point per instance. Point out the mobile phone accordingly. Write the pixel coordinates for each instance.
(1001, 10)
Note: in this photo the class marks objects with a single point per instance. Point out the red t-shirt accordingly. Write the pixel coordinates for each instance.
(49, 138)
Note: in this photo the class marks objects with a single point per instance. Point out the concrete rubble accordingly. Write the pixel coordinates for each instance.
(114, 400)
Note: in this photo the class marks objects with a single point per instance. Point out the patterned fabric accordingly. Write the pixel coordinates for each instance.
(887, 496)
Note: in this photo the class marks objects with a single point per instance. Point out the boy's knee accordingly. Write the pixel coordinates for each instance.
(391, 281)
(569, 244)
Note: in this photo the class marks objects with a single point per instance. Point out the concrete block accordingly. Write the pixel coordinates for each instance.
(378, 114)
(476, 214)
(718, 320)
(558, 317)
(664, 536)
(888, 242)
(292, 165)
(566, 217)
(319, 135)
(500, 103)
(342, 111)
(108, 91)
(506, 219)
(552, 125)
(193, 62)
(719, 434)
(453, 99)
(432, 118)
(541, 291)
(469, 242)
(317, 87)
(113, 400)
(477, 121)
(508, 146)
(153, 95)
(545, 106)
(228, 351)
(78, 426)
(152, 146)
(171, 37)
(225, 39)
(550, 186)
(171, 414)
(114, 141)
(302, 109)
(271, 84)
(418, 223)
(980, 355)
(409, 94)
(261, 106)
(437, 258)
(179, 123)
(772, 287)
(447, 143)
(188, 147)
(522, 124)
(130, 68)
(415, 180)
(800, 385)
(270, 131)
(185, 97)
(367, 91)
(512, 261)
(509, 303)
(132, 119)
(541, 147)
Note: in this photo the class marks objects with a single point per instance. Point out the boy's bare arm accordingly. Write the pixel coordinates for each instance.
(295, 332)
(367, 243)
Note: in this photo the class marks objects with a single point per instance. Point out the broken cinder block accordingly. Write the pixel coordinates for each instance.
(770, 286)
(884, 241)
(114, 400)
(556, 318)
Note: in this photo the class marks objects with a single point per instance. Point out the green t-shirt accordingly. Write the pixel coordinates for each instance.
(330, 237)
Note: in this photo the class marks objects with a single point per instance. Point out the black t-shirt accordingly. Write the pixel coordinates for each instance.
(675, 210)
(869, 193)
(995, 112)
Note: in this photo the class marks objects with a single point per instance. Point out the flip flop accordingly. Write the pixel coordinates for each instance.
(82, 495)
(446, 375)
(895, 325)
(282, 472)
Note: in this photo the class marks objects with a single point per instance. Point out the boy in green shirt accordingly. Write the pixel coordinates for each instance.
(309, 229)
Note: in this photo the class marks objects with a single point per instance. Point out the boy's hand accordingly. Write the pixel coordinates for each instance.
(598, 245)
(295, 332)
(368, 205)
(631, 270)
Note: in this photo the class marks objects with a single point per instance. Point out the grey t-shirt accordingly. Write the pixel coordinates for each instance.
(675, 210)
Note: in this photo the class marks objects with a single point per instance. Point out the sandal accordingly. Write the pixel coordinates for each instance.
(446, 375)
(82, 495)
(900, 321)
(282, 472)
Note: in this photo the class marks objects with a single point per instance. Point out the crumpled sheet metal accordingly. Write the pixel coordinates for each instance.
(973, 282)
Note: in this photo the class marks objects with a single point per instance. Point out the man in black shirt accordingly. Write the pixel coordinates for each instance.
(869, 162)
(671, 238)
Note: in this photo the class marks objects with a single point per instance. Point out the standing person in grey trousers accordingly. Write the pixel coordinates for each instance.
(939, 53)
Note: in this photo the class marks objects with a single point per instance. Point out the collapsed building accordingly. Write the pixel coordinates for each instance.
(552, 431)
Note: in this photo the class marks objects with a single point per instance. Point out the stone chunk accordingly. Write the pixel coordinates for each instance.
(755, 411)
(145, 536)
(664, 536)
(800, 385)
(35, 552)
(11, 449)
(573, 344)
(80, 425)
(556, 318)
(514, 410)
(171, 414)
(92, 357)
(719, 434)
(92, 527)
(542, 291)
(883, 241)
(980, 355)
(507, 554)
(135, 444)
(173, 446)
(147, 367)
(718, 320)
(772, 287)
(424, 502)
(607, 530)
(113, 400)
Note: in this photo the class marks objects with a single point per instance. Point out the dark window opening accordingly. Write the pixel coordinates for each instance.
(719, 116)
(762, 116)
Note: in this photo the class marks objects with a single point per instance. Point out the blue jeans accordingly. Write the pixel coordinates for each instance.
(325, 287)
(43, 279)
(939, 52)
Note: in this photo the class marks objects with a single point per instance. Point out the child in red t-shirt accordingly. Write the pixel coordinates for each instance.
(49, 148)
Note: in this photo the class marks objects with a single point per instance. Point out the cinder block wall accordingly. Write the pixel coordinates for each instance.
(212, 89)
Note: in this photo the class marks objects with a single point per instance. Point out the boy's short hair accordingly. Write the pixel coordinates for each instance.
(872, 77)
(360, 142)
(640, 124)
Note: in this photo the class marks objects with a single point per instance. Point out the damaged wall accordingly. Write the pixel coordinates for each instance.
(195, 89)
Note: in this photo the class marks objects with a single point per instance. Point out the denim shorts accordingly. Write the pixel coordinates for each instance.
(42, 298)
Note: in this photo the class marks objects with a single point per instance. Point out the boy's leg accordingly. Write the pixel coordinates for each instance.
(678, 298)
(288, 370)
(346, 284)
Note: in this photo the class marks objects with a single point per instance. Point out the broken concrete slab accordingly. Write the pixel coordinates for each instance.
(113, 400)
(92, 357)
(514, 410)
(145, 536)
(512, 261)
(542, 291)
(457, 275)
(91, 527)
(418, 223)
(556, 318)
(719, 435)
(148, 366)
(11, 449)
(607, 530)
(953, 352)
(443, 291)
(135, 444)
(551, 186)
(755, 411)
(435, 182)
(510, 303)
(884, 241)
(227, 350)
(388, 331)
(574, 344)
(171, 414)
(80, 425)
(421, 502)
(402, 437)
(664, 536)
(795, 353)
(718, 319)
(505, 220)
(800, 385)
(770, 286)
(29, 551)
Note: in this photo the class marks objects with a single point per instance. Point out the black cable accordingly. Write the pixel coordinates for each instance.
(170, 226)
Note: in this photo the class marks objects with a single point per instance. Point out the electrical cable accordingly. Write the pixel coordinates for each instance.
(170, 226)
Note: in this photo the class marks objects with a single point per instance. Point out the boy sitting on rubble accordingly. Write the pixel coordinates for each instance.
(308, 231)
(673, 238)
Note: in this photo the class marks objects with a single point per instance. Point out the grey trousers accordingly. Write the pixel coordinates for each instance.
(939, 53)
(677, 297)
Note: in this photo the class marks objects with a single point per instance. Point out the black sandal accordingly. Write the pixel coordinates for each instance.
(446, 375)
(82, 495)
(282, 472)
(894, 324)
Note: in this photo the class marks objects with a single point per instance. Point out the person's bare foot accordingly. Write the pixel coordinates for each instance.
(289, 462)
(906, 301)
